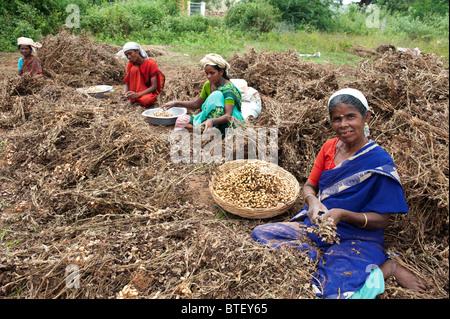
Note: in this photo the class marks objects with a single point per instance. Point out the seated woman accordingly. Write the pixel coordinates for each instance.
(29, 63)
(354, 182)
(144, 80)
(220, 100)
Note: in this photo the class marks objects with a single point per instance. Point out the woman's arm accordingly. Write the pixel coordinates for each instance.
(152, 88)
(136, 95)
(363, 220)
(195, 104)
(314, 205)
(221, 119)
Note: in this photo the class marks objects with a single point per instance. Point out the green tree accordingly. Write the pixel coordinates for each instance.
(415, 8)
(253, 16)
(315, 13)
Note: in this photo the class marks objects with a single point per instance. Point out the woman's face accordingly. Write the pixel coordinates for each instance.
(213, 75)
(133, 55)
(25, 50)
(348, 123)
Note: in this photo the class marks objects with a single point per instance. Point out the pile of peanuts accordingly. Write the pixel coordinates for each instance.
(93, 89)
(253, 185)
(162, 114)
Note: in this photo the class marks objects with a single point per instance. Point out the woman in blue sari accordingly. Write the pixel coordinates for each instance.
(354, 182)
(220, 99)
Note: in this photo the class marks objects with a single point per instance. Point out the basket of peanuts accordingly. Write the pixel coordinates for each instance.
(254, 189)
(159, 116)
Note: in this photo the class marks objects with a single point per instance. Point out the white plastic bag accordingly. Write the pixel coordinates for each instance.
(251, 101)
(415, 51)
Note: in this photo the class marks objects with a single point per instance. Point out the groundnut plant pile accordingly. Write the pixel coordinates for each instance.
(87, 184)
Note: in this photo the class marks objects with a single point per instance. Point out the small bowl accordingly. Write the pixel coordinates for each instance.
(166, 121)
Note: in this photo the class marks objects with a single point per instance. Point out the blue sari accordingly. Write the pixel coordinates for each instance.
(366, 182)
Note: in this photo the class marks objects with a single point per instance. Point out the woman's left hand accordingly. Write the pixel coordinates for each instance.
(132, 95)
(207, 125)
(335, 214)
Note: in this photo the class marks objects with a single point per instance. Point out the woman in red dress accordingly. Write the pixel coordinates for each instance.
(144, 80)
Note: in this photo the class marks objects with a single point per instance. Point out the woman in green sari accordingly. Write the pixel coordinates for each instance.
(220, 99)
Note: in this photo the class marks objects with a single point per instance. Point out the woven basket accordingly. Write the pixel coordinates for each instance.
(255, 213)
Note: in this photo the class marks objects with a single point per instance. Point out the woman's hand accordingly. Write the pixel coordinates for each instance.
(133, 95)
(335, 213)
(207, 125)
(315, 208)
(168, 105)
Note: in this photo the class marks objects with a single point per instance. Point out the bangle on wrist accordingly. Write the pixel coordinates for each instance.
(365, 222)
(175, 103)
(213, 122)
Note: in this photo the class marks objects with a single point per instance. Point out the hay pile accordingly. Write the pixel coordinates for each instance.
(87, 182)
(78, 61)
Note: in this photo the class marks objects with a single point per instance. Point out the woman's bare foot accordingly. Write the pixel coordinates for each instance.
(403, 276)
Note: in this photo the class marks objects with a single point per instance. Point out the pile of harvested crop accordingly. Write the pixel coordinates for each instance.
(78, 61)
(253, 185)
(284, 76)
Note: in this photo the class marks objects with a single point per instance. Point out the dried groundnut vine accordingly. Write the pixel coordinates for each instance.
(326, 230)
(253, 185)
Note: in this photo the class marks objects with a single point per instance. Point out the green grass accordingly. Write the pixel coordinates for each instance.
(335, 48)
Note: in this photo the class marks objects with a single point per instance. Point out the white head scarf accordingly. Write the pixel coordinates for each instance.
(30, 42)
(215, 59)
(353, 92)
(133, 46)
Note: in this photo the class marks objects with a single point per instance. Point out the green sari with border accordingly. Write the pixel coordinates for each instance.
(214, 106)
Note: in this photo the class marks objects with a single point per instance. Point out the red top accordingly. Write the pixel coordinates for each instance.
(148, 70)
(324, 160)
(32, 65)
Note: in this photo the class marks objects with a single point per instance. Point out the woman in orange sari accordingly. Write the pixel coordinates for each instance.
(144, 80)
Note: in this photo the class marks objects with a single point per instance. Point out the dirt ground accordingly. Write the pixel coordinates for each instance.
(86, 183)
(8, 63)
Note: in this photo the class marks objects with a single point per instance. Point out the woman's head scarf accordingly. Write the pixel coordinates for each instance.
(353, 92)
(215, 59)
(30, 42)
(133, 46)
